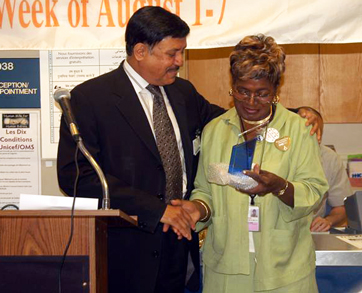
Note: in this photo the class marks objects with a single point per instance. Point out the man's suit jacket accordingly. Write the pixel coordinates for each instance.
(116, 131)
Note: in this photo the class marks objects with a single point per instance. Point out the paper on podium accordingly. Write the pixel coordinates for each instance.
(50, 202)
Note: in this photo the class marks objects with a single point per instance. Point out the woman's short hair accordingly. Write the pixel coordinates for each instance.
(151, 24)
(256, 57)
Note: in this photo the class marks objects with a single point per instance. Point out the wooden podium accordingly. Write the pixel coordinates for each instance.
(32, 244)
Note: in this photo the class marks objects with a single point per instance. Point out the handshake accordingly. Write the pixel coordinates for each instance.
(182, 215)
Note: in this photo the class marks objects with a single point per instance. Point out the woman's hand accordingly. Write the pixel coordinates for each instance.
(192, 208)
(267, 182)
(271, 183)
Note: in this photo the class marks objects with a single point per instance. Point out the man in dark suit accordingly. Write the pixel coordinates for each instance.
(115, 119)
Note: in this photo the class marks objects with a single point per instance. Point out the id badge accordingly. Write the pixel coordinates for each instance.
(196, 145)
(254, 218)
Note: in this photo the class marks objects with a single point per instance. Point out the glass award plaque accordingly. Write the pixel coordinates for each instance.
(242, 156)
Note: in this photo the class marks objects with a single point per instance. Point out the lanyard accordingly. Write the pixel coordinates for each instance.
(252, 196)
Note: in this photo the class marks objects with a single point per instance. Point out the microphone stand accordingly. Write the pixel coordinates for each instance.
(106, 203)
(62, 96)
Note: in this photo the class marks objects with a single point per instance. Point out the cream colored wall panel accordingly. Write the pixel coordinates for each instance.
(341, 83)
(300, 86)
(208, 70)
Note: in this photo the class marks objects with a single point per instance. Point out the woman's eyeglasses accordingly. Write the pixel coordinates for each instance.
(261, 97)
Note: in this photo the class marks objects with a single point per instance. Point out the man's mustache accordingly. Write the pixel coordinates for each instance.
(175, 68)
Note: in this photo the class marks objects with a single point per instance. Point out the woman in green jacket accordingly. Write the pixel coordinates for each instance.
(274, 250)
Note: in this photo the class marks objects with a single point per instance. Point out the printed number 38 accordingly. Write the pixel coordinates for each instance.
(7, 66)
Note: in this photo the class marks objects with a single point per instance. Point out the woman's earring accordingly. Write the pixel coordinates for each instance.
(230, 92)
(276, 100)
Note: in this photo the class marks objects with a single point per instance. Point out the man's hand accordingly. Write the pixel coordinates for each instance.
(312, 119)
(320, 224)
(180, 221)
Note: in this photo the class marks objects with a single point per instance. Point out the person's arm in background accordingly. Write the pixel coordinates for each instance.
(339, 188)
(337, 217)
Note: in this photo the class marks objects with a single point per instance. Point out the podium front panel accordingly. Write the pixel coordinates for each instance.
(40, 274)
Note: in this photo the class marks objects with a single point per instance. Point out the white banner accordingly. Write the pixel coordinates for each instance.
(85, 24)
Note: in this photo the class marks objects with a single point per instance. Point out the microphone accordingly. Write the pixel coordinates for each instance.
(62, 96)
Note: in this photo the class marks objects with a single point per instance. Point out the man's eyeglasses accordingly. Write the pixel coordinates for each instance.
(261, 97)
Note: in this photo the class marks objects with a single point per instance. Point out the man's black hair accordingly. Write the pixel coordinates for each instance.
(151, 24)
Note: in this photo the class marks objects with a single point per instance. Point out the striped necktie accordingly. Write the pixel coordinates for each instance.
(167, 145)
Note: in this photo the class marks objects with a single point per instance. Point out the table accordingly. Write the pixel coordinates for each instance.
(339, 265)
